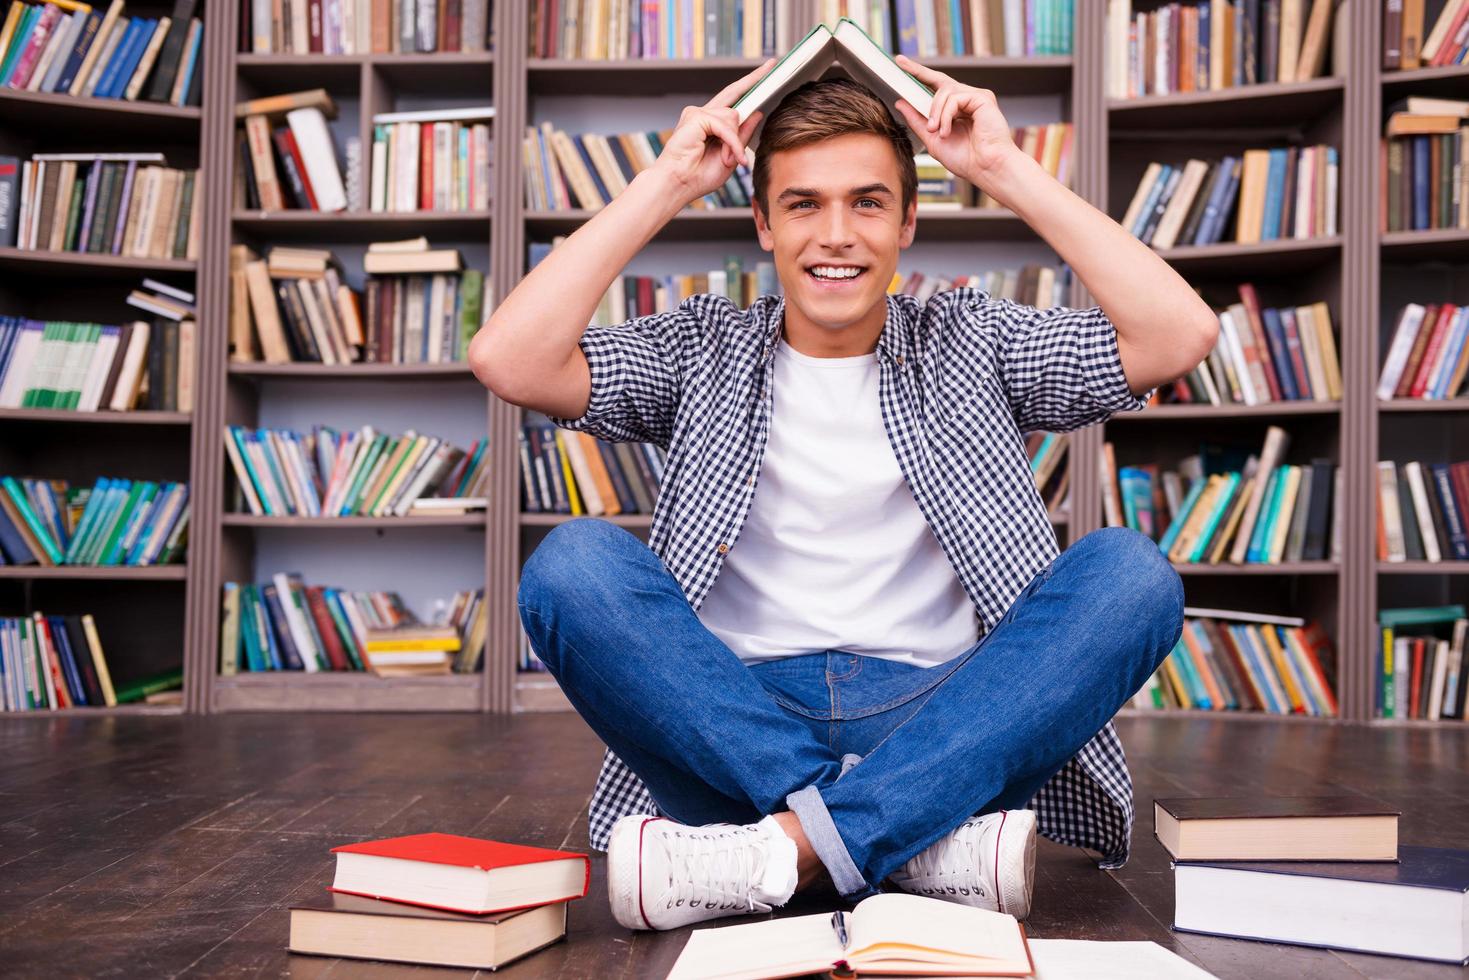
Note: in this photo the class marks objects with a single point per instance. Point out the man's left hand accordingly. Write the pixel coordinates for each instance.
(964, 130)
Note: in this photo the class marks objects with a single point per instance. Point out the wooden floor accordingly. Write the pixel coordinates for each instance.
(157, 846)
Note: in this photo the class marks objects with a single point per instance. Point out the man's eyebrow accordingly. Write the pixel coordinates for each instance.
(793, 192)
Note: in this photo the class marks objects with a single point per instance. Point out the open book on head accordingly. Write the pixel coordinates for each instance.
(862, 57)
(890, 935)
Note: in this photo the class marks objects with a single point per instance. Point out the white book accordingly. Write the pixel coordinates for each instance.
(1413, 471)
(1456, 665)
(1229, 336)
(97, 370)
(242, 475)
(314, 140)
(1410, 320)
(130, 376)
(296, 624)
(1440, 675)
(1392, 515)
(379, 192)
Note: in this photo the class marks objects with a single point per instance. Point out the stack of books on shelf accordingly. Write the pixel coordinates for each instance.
(441, 900)
(1236, 508)
(1429, 353)
(68, 48)
(1035, 285)
(1014, 28)
(327, 473)
(286, 155)
(1424, 182)
(564, 172)
(1237, 661)
(55, 662)
(1313, 871)
(113, 522)
(1420, 663)
(364, 26)
(1047, 454)
(418, 306)
(634, 296)
(1049, 144)
(1265, 354)
(284, 624)
(89, 367)
(1422, 509)
(1206, 45)
(1286, 192)
(1404, 44)
(432, 160)
(566, 472)
(127, 204)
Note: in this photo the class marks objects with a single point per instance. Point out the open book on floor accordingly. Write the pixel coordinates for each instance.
(890, 935)
(863, 58)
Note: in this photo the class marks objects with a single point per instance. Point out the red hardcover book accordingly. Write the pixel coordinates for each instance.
(49, 653)
(327, 627)
(1430, 354)
(1293, 348)
(1415, 679)
(288, 138)
(452, 27)
(460, 874)
(313, 26)
(1251, 301)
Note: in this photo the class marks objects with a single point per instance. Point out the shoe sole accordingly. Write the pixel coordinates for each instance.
(625, 884)
(1017, 848)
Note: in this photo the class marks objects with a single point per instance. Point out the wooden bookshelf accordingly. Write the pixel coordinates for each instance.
(1111, 136)
(95, 573)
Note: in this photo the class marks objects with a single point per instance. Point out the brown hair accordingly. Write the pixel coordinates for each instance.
(825, 109)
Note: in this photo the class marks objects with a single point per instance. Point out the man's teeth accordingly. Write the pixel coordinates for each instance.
(834, 272)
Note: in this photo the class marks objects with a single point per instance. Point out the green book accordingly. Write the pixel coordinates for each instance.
(471, 306)
(33, 521)
(173, 545)
(250, 630)
(1419, 615)
(229, 631)
(129, 525)
(333, 602)
(1255, 552)
(381, 446)
(169, 680)
(240, 438)
(116, 523)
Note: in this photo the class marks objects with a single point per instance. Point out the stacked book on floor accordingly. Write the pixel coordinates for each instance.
(1421, 663)
(1410, 39)
(1262, 195)
(1047, 454)
(1205, 45)
(112, 522)
(333, 473)
(1429, 352)
(1266, 354)
(1422, 510)
(364, 27)
(128, 204)
(1327, 872)
(286, 155)
(1425, 185)
(1235, 507)
(55, 662)
(1041, 286)
(1237, 661)
(566, 472)
(442, 900)
(432, 160)
(70, 48)
(284, 624)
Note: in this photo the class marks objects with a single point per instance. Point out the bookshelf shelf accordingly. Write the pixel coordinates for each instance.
(362, 226)
(1399, 405)
(100, 711)
(1245, 105)
(1448, 244)
(294, 690)
(93, 418)
(60, 113)
(1423, 567)
(1252, 258)
(447, 71)
(30, 262)
(1261, 568)
(260, 371)
(1167, 413)
(473, 519)
(551, 520)
(121, 573)
(539, 692)
(1414, 80)
(1245, 716)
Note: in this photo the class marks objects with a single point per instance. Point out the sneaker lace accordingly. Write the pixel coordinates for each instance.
(949, 866)
(715, 869)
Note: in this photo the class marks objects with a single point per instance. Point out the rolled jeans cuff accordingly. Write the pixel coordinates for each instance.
(810, 809)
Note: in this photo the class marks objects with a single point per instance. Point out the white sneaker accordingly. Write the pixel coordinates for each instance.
(987, 862)
(663, 875)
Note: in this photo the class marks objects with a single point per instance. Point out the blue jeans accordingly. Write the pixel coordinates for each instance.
(717, 741)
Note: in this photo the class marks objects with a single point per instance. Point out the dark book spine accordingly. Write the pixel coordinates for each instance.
(155, 367)
(1198, 206)
(77, 639)
(170, 393)
(1319, 513)
(295, 184)
(1408, 514)
(1443, 485)
(281, 628)
(195, 94)
(171, 55)
(625, 500)
(9, 199)
(298, 333)
(85, 39)
(185, 216)
(70, 668)
(1436, 515)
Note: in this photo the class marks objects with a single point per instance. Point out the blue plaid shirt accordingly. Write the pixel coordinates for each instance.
(960, 379)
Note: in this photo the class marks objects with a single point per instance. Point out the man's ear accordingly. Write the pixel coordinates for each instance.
(910, 225)
(762, 228)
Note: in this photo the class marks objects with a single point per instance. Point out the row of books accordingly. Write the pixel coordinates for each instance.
(1425, 184)
(53, 662)
(1049, 144)
(1276, 193)
(1047, 454)
(70, 48)
(286, 155)
(1266, 354)
(419, 305)
(566, 472)
(1243, 508)
(1422, 511)
(1429, 353)
(1041, 286)
(1231, 661)
(90, 367)
(1420, 662)
(433, 160)
(113, 522)
(129, 204)
(1207, 45)
(1405, 45)
(328, 473)
(565, 172)
(1016, 28)
(365, 26)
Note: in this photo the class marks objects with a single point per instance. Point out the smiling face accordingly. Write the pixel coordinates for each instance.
(835, 224)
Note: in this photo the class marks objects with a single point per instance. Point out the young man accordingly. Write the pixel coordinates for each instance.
(852, 649)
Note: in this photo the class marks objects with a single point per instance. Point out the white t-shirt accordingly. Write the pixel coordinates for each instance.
(835, 554)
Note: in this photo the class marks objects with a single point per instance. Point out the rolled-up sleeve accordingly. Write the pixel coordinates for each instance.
(1060, 367)
(636, 376)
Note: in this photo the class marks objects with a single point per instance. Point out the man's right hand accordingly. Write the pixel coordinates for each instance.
(709, 142)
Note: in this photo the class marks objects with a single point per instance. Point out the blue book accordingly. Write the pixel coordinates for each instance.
(84, 41)
(1211, 229)
(1197, 692)
(19, 40)
(1421, 189)
(1274, 196)
(191, 62)
(109, 72)
(1151, 202)
(907, 18)
(1280, 353)
(1257, 661)
(586, 159)
(12, 545)
(1202, 67)
(262, 437)
(1181, 518)
(1453, 514)
(67, 657)
(272, 648)
(281, 630)
(1458, 331)
(134, 58)
(956, 22)
(1254, 553)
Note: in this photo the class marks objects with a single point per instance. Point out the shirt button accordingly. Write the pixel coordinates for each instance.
(751, 481)
(723, 548)
(900, 360)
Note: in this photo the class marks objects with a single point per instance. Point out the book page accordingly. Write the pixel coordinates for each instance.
(1080, 959)
(893, 928)
(773, 948)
